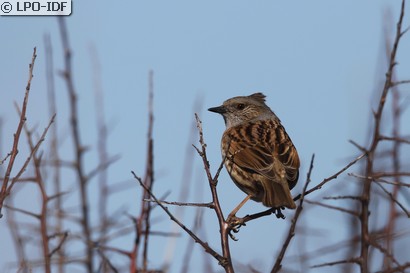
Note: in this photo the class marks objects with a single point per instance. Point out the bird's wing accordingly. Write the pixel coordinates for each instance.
(289, 157)
(265, 151)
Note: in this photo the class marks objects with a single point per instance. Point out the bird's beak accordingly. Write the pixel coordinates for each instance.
(220, 109)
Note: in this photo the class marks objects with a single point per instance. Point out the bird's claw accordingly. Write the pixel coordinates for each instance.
(234, 224)
(278, 213)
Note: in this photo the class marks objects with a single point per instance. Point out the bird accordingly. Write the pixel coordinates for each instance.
(258, 154)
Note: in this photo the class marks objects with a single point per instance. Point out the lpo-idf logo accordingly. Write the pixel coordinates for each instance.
(35, 7)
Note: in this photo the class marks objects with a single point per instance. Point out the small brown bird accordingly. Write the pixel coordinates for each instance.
(259, 155)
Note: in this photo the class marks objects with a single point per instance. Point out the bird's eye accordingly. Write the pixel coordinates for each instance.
(240, 106)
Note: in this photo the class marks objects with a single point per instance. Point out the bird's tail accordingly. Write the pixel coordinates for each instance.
(277, 195)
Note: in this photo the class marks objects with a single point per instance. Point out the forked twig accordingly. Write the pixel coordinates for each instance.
(187, 230)
(334, 176)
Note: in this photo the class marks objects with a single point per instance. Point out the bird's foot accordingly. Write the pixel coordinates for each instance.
(234, 224)
(278, 212)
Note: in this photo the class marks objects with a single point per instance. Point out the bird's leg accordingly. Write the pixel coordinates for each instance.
(238, 207)
(234, 222)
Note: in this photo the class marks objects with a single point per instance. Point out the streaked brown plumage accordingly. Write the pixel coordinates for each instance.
(260, 157)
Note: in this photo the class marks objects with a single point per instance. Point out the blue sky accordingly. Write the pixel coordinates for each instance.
(318, 62)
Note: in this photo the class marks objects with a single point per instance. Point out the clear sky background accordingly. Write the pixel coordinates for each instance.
(320, 64)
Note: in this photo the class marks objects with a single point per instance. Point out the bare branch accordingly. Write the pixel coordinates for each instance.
(187, 230)
(54, 153)
(401, 268)
(394, 199)
(384, 251)
(4, 159)
(224, 227)
(334, 176)
(397, 183)
(352, 197)
(60, 244)
(32, 153)
(400, 82)
(351, 212)
(107, 261)
(388, 174)
(358, 146)
(102, 166)
(79, 149)
(369, 169)
(184, 204)
(395, 139)
(26, 212)
(149, 175)
(348, 261)
(13, 154)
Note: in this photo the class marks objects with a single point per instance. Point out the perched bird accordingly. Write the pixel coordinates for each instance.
(259, 155)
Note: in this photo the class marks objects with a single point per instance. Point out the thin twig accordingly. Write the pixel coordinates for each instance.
(358, 146)
(18, 238)
(334, 176)
(26, 212)
(102, 166)
(5, 191)
(400, 82)
(60, 244)
(394, 199)
(33, 151)
(5, 158)
(377, 179)
(104, 161)
(78, 147)
(54, 153)
(142, 222)
(351, 212)
(183, 204)
(107, 261)
(44, 197)
(352, 197)
(187, 230)
(395, 139)
(149, 176)
(224, 227)
(401, 268)
(384, 251)
(388, 174)
(348, 261)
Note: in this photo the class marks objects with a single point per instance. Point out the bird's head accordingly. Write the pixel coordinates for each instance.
(243, 109)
